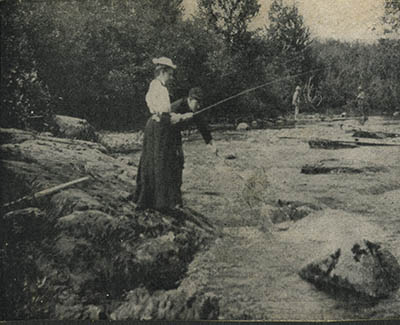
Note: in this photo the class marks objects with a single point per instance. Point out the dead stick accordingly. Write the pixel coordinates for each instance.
(46, 192)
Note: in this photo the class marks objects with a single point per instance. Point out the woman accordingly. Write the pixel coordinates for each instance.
(157, 183)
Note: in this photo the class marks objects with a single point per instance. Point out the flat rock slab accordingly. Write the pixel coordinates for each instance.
(363, 268)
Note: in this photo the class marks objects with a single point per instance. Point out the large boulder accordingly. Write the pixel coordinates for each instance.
(74, 128)
(344, 251)
(363, 268)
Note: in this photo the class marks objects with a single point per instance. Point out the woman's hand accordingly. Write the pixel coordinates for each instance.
(176, 118)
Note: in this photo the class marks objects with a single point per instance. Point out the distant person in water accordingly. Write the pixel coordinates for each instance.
(296, 101)
(361, 102)
(191, 104)
(157, 180)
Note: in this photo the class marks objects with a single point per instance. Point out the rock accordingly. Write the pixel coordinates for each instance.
(65, 202)
(15, 136)
(47, 134)
(230, 156)
(396, 114)
(301, 212)
(363, 268)
(86, 223)
(269, 123)
(329, 144)
(74, 128)
(167, 305)
(284, 213)
(374, 135)
(93, 312)
(122, 142)
(25, 224)
(89, 239)
(242, 126)
(254, 124)
(341, 166)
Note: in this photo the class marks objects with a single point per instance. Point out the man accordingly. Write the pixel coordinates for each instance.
(296, 101)
(190, 104)
(361, 101)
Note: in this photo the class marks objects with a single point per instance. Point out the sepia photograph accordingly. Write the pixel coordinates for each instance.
(200, 160)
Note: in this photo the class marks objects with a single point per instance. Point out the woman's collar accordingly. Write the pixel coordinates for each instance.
(161, 81)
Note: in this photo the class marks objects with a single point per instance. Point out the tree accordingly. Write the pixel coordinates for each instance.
(22, 92)
(96, 55)
(289, 41)
(229, 18)
(289, 37)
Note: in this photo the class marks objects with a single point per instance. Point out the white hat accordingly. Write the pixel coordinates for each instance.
(164, 61)
(298, 87)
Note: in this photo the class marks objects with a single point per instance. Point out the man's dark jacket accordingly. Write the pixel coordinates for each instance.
(181, 106)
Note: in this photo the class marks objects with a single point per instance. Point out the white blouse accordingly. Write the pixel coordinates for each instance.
(157, 98)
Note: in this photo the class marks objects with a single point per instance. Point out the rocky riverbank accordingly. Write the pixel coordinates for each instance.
(81, 252)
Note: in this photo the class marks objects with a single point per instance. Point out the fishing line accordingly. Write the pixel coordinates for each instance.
(255, 88)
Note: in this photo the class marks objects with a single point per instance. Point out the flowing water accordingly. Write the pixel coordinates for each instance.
(254, 266)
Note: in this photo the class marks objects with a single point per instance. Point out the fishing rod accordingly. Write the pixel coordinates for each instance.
(254, 88)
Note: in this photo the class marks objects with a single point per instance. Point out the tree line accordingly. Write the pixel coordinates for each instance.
(92, 59)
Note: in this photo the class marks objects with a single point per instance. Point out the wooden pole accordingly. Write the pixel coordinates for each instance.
(46, 192)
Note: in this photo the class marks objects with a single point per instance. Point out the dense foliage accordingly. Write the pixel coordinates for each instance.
(92, 59)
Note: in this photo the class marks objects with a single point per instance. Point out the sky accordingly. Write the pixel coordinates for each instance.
(346, 20)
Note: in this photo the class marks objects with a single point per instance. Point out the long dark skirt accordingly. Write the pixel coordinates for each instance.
(159, 176)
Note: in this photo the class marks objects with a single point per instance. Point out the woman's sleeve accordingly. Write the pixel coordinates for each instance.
(157, 98)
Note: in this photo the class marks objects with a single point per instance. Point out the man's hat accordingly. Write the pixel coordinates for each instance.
(196, 93)
(164, 61)
(298, 88)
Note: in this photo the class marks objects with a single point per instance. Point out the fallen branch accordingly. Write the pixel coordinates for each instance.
(46, 192)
